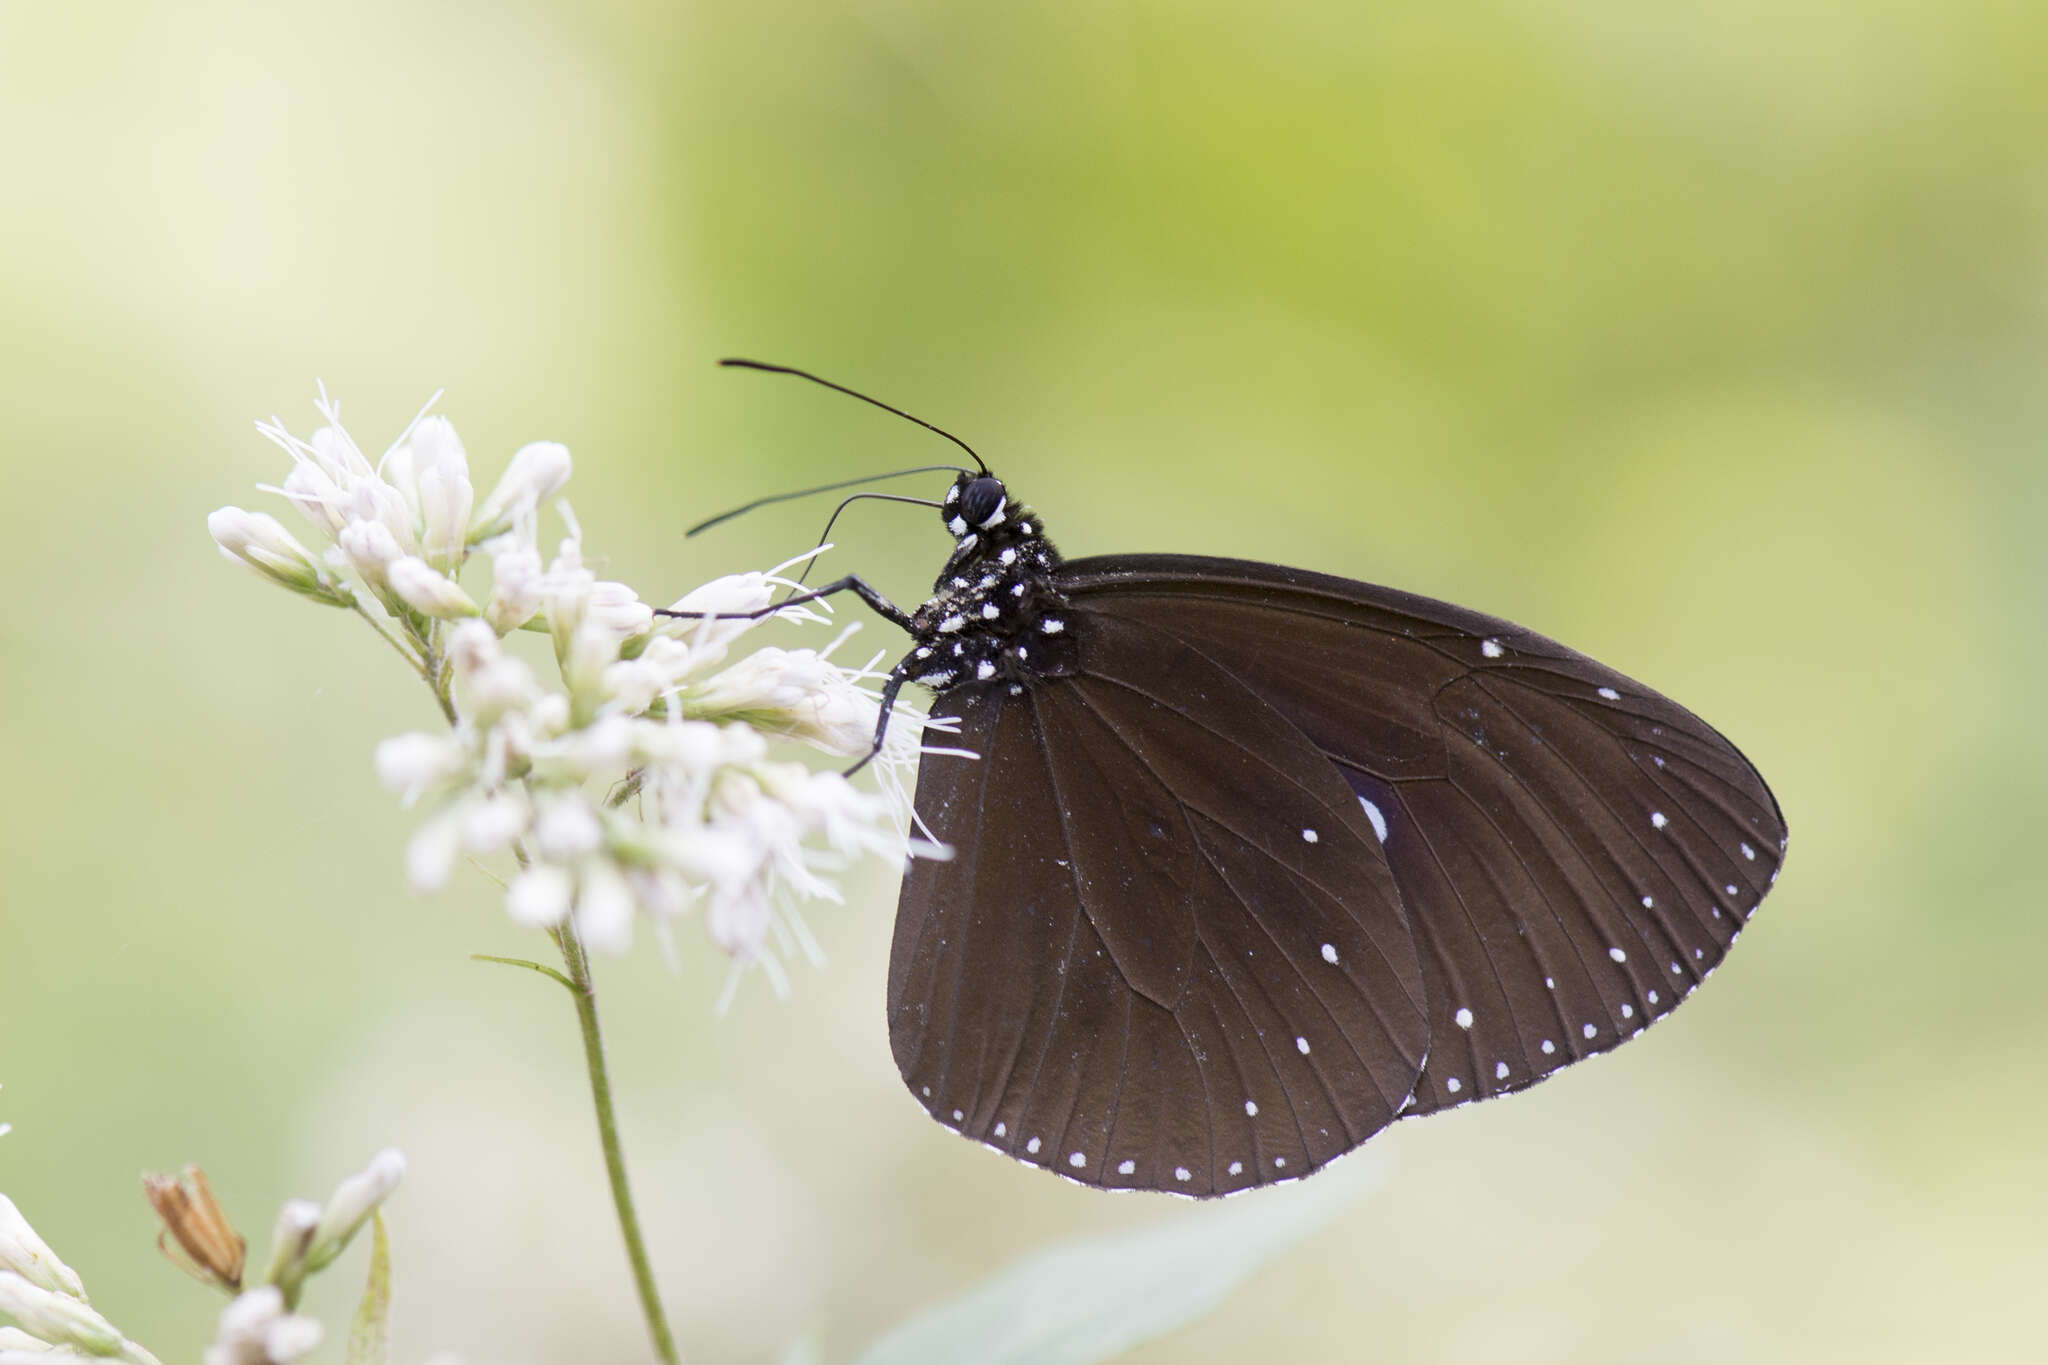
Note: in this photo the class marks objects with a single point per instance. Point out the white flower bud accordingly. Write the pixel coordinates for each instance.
(28, 1256)
(603, 750)
(632, 685)
(296, 1223)
(427, 590)
(550, 715)
(371, 548)
(566, 829)
(490, 825)
(692, 746)
(255, 1329)
(516, 574)
(430, 854)
(736, 592)
(488, 681)
(729, 597)
(591, 650)
(444, 493)
(372, 499)
(318, 497)
(354, 1200)
(539, 897)
(618, 609)
(292, 1338)
(260, 541)
(415, 763)
(604, 909)
(536, 474)
(54, 1317)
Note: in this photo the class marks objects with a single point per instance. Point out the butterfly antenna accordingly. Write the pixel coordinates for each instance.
(737, 364)
(822, 488)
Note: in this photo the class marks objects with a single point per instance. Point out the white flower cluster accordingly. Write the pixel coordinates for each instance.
(638, 782)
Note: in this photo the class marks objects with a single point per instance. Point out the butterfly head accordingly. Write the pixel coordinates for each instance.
(975, 505)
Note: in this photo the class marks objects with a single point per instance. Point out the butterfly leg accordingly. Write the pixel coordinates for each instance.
(894, 684)
(852, 583)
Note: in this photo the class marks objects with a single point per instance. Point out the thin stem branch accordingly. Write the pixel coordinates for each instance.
(548, 972)
(388, 638)
(577, 960)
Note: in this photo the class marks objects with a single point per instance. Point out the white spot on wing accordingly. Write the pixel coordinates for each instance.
(1077, 1160)
(1032, 1146)
(1251, 1109)
(1610, 694)
(957, 1116)
(1591, 1031)
(984, 670)
(1464, 1018)
(1749, 852)
(1301, 1045)
(1452, 1084)
(1657, 819)
(1001, 1129)
(1379, 821)
(1308, 836)
(1549, 1047)
(1052, 625)
(1490, 648)
(1183, 1173)
(1500, 1071)
(990, 611)
(1330, 953)
(1617, 954)
(1126, 1166)
(1237, 1168)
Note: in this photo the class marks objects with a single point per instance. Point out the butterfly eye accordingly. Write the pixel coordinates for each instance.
(982, 503)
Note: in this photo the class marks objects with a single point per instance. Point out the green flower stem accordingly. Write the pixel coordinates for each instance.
(585, 992)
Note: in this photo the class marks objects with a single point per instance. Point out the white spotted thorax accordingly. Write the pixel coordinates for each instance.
(994, 618)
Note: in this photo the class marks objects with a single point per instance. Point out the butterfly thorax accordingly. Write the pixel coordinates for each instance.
(995, 617)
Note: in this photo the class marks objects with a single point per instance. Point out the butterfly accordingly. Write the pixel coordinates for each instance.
(1250, 862)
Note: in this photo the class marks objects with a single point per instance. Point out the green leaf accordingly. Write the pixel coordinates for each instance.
(1090, 1299)
(369, 1337)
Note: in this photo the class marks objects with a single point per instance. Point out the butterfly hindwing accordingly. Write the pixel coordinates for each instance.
(1169, 952)
(1574, 851)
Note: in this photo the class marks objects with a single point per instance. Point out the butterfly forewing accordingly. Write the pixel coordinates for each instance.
(1574, 851)
(1169, 952)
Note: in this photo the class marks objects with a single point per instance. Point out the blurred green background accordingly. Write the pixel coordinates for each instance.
(1706, 337)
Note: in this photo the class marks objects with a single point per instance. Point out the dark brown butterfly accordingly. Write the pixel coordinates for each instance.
(1254, 861)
